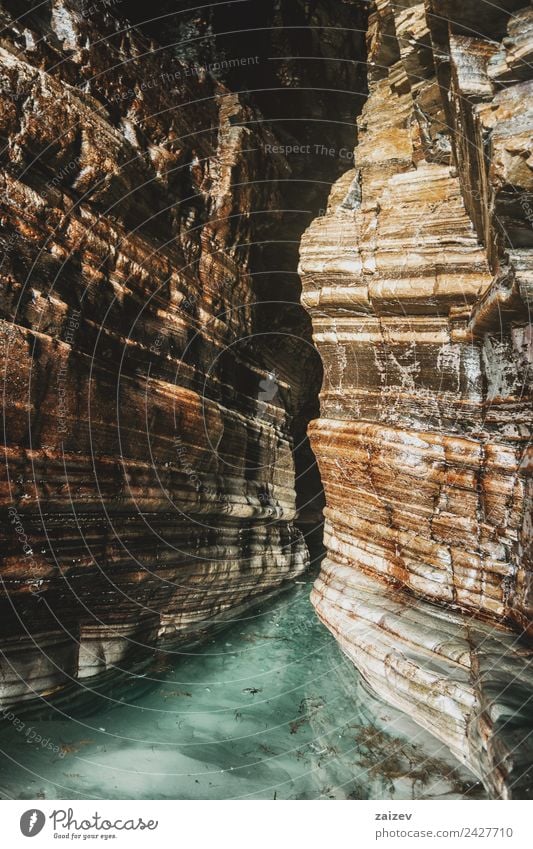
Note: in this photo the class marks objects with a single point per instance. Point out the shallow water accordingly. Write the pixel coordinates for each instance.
(268, 709)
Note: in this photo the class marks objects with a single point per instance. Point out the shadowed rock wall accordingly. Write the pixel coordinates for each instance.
(158, 369)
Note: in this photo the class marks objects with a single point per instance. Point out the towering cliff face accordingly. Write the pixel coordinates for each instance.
(158, 371)
(419, 283)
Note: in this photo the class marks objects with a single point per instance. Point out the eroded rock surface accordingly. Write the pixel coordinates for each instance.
(419, 283)
(149, 485)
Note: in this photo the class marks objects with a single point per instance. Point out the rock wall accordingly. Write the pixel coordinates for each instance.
(158, 367)
(419, 283)
(149, 485)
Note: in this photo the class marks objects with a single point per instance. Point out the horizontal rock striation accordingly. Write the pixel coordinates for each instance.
(419, 280)
(149, 485)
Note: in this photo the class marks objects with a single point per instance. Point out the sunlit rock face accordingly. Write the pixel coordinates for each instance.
(419, 283)
(149, 487)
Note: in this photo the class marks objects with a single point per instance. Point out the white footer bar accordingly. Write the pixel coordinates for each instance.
(267, 824)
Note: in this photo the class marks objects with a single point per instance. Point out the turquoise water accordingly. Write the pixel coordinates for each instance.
(270, 708)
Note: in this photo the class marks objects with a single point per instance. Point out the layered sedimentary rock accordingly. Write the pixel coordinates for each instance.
(149, 485)
(419, 280)
(159, 373)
